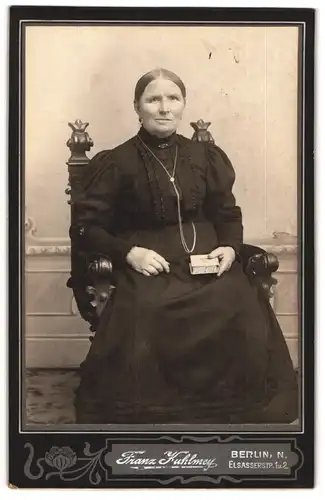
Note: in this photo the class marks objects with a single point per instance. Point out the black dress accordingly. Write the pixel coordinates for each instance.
(176, 348)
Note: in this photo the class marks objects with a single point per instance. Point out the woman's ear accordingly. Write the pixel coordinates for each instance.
(136, 108)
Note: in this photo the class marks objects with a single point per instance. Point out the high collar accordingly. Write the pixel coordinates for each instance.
(157, 142)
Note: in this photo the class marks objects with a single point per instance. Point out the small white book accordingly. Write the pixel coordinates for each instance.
(201, 264)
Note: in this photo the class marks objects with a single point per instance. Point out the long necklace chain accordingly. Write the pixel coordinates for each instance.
(172, 180)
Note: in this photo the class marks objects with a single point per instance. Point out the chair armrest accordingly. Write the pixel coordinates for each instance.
(91, 298)
(85, 304)
(92, 287)
(100, 267)
(100, 272)
(259, 265)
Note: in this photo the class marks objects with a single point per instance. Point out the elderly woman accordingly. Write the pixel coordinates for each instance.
(175, 347)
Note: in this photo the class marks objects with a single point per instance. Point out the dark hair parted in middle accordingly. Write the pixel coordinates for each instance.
(153, 75)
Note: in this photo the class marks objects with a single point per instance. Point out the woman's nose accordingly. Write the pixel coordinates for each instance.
(164, 106)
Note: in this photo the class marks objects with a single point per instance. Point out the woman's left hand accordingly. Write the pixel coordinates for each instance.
(226, 256)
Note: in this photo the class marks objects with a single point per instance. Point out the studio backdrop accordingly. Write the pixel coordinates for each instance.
(244, 80)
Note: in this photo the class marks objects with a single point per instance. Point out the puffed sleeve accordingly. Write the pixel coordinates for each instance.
(220, 203)
(95, 210)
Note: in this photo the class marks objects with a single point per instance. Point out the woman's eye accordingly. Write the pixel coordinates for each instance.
(157, 99)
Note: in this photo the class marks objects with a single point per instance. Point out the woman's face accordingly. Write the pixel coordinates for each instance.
(161, 107)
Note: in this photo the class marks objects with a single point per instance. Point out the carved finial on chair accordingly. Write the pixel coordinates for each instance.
(201, 133)
(79, 143)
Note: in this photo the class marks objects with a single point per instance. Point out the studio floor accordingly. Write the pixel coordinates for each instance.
(50, 395)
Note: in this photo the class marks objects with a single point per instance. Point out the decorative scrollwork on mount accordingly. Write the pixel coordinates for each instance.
(60, 458)
(64, 463)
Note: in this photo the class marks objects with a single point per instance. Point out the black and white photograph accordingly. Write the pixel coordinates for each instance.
(162, 171)
(191, 134)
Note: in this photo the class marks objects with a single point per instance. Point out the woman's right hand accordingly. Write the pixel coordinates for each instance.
(147, 262)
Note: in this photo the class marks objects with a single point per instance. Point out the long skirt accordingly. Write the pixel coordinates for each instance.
(182, 348)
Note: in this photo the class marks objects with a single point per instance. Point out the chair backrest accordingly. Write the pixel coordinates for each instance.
(83, 284)
(80, 142)
(85, 273)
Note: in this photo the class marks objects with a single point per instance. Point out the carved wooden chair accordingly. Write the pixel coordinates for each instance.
(91, 275)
